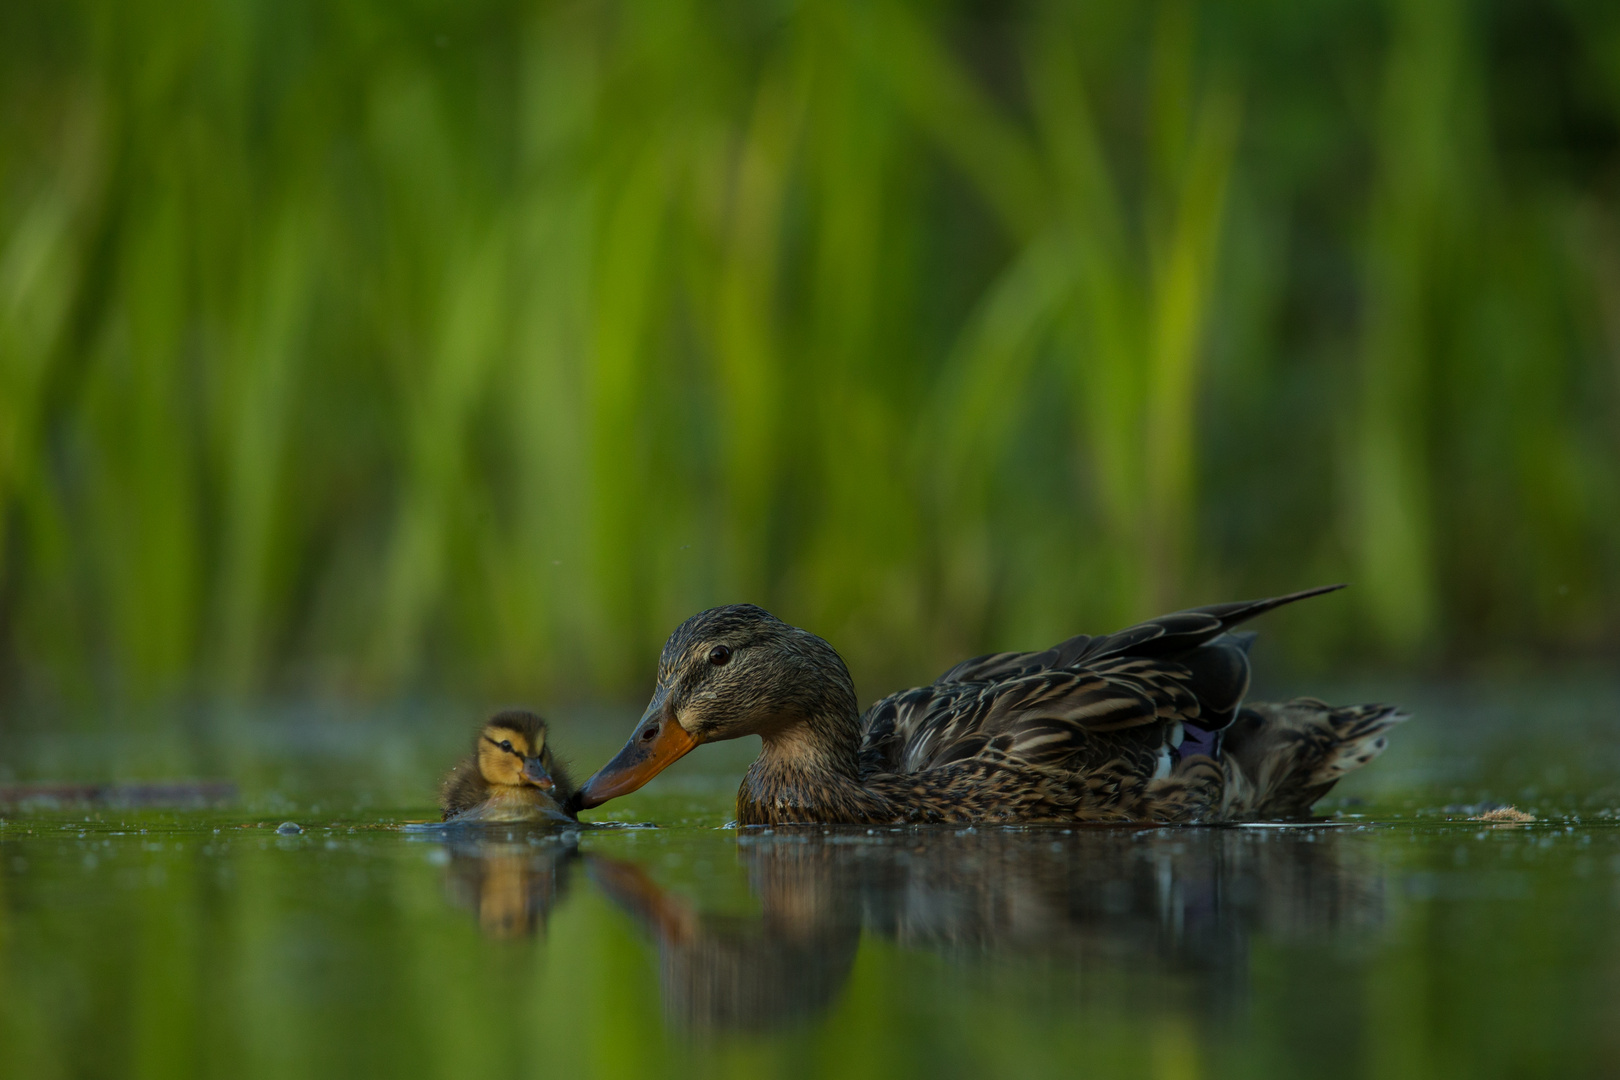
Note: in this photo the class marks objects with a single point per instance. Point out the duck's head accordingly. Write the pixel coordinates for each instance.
(512, 752)
(724, 673)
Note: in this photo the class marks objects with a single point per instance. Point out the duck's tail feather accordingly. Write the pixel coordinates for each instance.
(1241, 611)
(1279, 759)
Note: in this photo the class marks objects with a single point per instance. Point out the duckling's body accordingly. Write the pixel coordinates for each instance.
(511, 776)
(1147, 724)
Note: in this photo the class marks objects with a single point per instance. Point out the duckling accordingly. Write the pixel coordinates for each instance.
(511, 776)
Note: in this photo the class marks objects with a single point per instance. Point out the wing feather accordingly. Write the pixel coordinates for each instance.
(1084, 697)
(1165, 635)
(1047, 718)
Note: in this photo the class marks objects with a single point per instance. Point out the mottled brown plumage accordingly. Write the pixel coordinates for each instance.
(512, 775)
(1147, 724)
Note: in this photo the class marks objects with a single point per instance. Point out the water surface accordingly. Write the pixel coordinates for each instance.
(1394, 937)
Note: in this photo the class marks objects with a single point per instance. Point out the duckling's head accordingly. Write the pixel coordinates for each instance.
(511, 751)
(724, 673)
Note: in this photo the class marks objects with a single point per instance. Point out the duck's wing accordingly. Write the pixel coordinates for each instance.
(1045, 708)
(1053, 719)
(1166, 635)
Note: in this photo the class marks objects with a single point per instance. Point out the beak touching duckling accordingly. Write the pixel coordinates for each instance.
(512, 775)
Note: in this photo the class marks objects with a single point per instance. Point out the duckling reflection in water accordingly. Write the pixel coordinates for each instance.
(511, 776)
(512, 886)
(1124, 911)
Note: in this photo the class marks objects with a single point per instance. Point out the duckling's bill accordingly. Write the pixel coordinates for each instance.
(534, 771)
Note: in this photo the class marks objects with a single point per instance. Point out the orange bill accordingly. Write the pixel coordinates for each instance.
(657, 744)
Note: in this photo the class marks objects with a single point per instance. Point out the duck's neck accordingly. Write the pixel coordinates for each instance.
(808, 772)
(821, 745)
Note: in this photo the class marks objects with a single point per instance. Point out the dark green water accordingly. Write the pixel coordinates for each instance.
(1394, 938)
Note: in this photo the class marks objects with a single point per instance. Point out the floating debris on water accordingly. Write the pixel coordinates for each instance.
(1505, 815)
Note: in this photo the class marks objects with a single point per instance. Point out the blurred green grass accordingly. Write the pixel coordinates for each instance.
(365, 348)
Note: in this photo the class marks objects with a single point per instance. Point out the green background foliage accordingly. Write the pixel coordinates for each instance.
(367, 347)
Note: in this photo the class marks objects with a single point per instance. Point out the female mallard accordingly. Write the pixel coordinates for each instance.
(511, 776)
(1144, 725)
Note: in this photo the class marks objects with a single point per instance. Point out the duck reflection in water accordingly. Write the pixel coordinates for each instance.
(513, 881)
(1122, 911)
(739, 972)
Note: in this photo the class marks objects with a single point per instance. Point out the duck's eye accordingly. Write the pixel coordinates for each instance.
(719, 655)
(506, 744)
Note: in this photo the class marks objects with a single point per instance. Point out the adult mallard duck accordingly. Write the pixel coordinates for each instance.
(511, 776)
(1147, 724)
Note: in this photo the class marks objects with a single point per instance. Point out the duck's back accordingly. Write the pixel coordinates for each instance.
(1142, 699)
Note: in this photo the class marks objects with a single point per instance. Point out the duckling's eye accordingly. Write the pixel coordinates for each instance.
(506, 744)
(719, 655)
